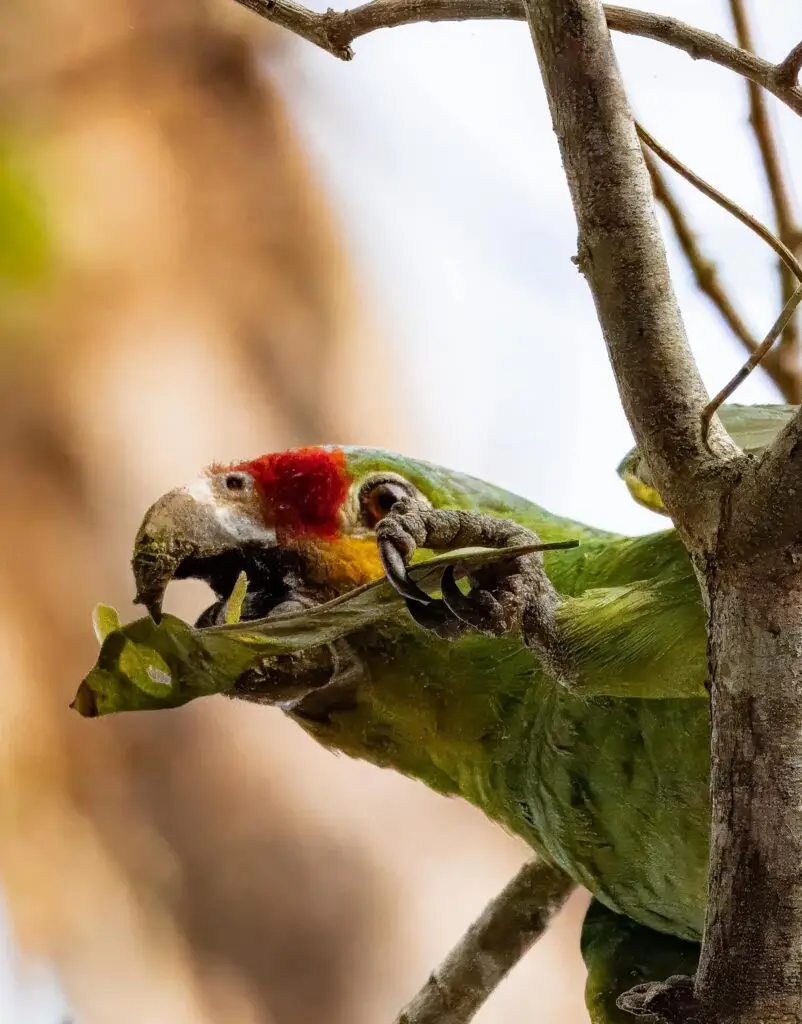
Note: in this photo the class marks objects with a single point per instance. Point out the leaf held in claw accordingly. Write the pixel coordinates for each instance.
(144, 666)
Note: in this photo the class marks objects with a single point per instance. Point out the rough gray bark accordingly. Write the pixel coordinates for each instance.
(621, 252)
(508, 927)
(751, 969)
(740, 521)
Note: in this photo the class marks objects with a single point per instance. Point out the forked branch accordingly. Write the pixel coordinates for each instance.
(622, 255)
(788, 70)
(335, 31)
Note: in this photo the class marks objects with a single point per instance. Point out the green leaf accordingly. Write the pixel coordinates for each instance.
(233, 612)
(145, 666)
(105, 620)
(369, 603)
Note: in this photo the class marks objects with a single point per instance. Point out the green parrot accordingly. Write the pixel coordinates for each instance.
(563, 693)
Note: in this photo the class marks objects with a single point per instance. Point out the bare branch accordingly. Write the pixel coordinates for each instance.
(784, 216)
(785, 254)
(705, 273)
(507, 929)
(754, 360)
(751, 959)
(622, 255)
(709, 282)
(335, 31)
(787, 73)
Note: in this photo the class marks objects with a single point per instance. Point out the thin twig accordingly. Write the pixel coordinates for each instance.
(763, 232)
(705, 273)
(508, 927)
(779, 324)
(785, 218)
(335, 31)
(737, 211)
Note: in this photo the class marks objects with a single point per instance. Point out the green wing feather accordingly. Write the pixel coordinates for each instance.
(752, 427)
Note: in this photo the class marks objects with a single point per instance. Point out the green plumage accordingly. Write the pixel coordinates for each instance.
(608, 781)
(607, 778)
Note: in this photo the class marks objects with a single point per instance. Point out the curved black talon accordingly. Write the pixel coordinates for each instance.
(436, 618)
(478, 609)
(396, 572)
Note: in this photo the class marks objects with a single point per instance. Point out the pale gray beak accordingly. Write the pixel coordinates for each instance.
(175, 529)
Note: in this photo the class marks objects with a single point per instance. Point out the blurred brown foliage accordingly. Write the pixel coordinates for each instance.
(182, 297)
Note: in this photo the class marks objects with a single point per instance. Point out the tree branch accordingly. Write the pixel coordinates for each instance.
(751, 961)
(708, 282)
(782, 250)
(507, 929)
(760, 353)
(705, 274)
(334, 32)
(622, 255)
(787, 72)
(785, 219)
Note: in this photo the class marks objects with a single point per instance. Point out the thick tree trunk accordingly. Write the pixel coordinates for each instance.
(739, 518)
(755, 903)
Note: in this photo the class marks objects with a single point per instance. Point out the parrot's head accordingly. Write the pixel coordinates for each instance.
(309, 510)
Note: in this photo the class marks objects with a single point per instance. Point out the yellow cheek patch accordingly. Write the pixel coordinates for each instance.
(346, 562)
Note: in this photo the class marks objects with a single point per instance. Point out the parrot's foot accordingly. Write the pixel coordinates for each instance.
(504, 596)
(671, 1001)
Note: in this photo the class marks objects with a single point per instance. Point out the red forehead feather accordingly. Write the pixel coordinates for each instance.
(302, 489)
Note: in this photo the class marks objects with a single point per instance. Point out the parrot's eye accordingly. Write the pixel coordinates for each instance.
(235, 482)
(378, 497)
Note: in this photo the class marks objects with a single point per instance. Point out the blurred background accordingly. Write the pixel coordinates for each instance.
(216, 241)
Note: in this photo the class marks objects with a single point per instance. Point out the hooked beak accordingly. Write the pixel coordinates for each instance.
(176, 529)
